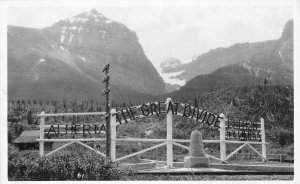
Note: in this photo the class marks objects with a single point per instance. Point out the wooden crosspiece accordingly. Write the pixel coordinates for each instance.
(72, 142)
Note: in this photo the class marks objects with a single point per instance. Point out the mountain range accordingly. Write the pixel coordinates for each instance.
(272, 60)
(66, 59)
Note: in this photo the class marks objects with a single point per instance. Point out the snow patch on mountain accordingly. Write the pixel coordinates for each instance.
(171, 78)
(42, 60)
(103, 33)
(93, 13)
(62, 38)
(195, 56)
(248, 67)
(280, 54)
(62, 48)
(109, 21)
(170, 63)
(74, 28)
(89, 15)
(170, 70)
(71, 37)
(77, 19)
(63, 31)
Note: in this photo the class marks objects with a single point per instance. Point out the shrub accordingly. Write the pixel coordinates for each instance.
(65, 166)
(13, 151)
(282, 136)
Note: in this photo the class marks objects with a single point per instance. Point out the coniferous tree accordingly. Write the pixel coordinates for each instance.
(29, 117)
(92, 107)
(196, 101)
(9, 137)
(55, 111)
(64, 104)
(19, 105)
(266, 81)
(20, 130)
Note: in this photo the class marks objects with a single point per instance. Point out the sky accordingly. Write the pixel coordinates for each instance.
(182, 32)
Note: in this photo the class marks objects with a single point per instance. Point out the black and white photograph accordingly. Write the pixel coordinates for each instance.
(149, 90)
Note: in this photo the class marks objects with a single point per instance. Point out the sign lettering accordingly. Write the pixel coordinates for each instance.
(243, 130)
(157, 108)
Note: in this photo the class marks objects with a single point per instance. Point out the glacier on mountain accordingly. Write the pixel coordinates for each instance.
(171, 78)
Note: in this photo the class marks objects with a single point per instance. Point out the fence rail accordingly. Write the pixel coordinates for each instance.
(168, 142)
(72, 114)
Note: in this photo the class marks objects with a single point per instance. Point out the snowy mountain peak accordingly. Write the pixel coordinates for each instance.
(77, 30)
(170, 70)
(88, 16)
(93, 13)
(170, 63)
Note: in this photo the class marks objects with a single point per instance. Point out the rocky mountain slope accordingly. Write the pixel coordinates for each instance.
(236, 75)
(66, 59)
(272, 56)
(273, 65)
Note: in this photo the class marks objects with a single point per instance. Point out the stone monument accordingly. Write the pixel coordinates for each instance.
(197, 158)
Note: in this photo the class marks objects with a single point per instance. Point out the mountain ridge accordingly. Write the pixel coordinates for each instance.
(76, 49)
(206, 63)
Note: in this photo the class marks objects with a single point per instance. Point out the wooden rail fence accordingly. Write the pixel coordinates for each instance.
(169, 142)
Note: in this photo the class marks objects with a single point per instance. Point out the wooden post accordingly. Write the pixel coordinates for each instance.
(169, 136)
(106, 92)
(42, 124)
(222, 137)
(263, 139)
(280, 158)
(113, 134)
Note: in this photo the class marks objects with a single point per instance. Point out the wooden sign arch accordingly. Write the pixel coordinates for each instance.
(144, 110)
(158, 108)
